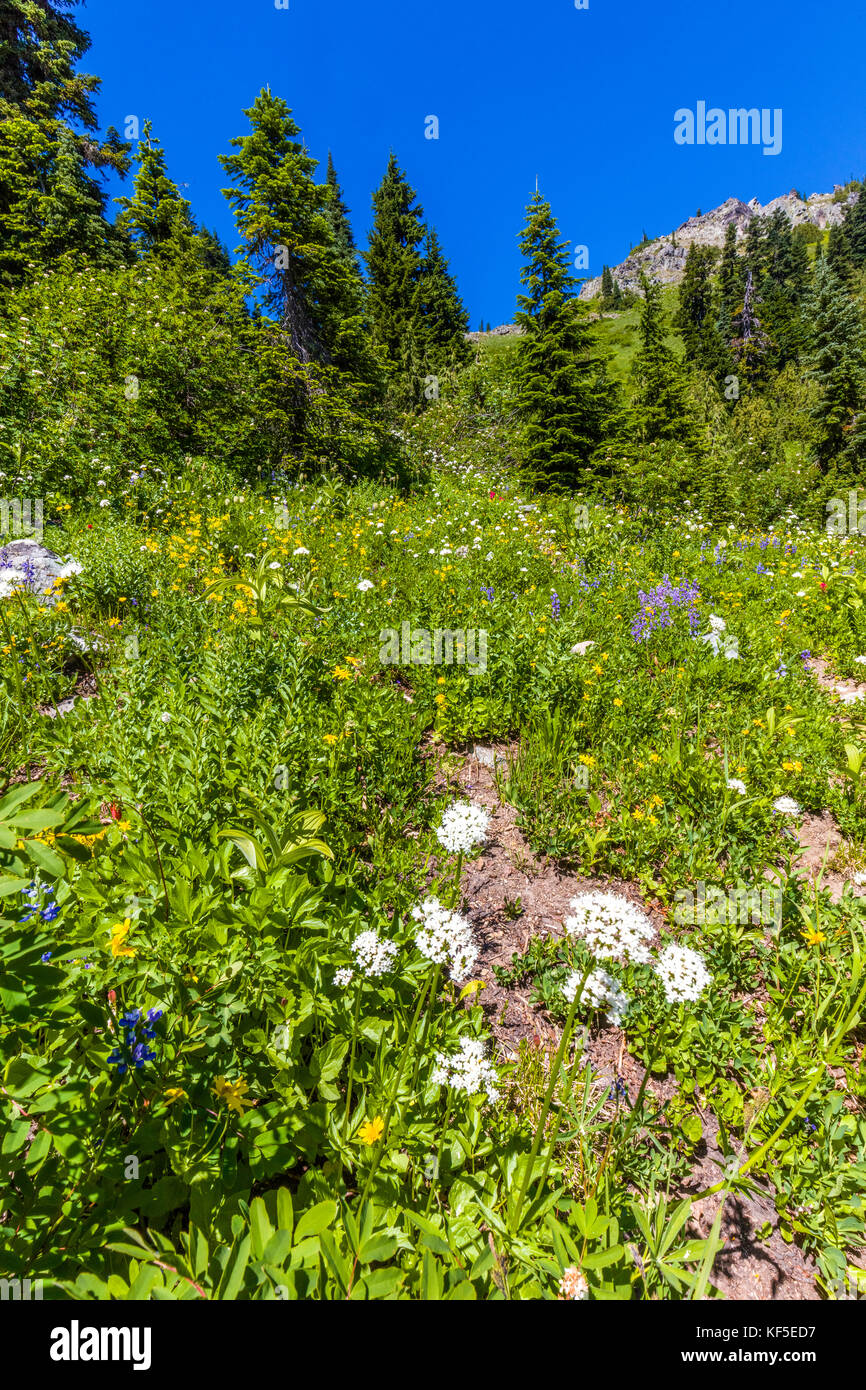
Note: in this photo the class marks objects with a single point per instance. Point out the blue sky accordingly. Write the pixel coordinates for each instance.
(582, 99)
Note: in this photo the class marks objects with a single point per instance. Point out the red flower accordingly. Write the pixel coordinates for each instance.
(493, 496)
(822, 586)
(115, 810)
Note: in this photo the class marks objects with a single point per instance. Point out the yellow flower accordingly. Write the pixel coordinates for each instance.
(329, 738)
(371, 1130)
(174, 1093)
(618, 703)
(118, 934)
(813, 937)
(341, 674)
(232, 1092)
(440, 700)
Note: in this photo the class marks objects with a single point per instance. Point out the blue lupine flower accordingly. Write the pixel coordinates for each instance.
(49, 912)
(45, 958)
(554, 605)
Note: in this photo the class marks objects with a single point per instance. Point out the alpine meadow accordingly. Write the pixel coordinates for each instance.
(432, 756)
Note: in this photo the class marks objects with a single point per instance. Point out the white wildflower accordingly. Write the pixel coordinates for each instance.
(611, 926)
(683, 974)
(343, 977)
(165, 717)
(301, 550)
(573, 1284)
(786, 806)
(445, 938)
(468, 1071)
(601, 991)
(464, 826)
(581, 648)
(364, 584)
(374, 955)
(735, 785)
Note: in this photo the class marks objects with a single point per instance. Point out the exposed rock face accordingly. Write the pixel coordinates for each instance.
(663, 261)
(40, 565)
(504, 330)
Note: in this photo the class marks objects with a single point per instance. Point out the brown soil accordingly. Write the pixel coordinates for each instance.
(746, 1268)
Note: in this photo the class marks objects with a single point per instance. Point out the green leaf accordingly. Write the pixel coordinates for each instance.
(319, 1218)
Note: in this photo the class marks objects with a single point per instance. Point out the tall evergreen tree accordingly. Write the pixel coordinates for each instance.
(606, 287)
(156, 218)
(395, 267)
(659, 405)
(730, 285)
(51, 204)
(289, 246)
(339, 212)
(445, 322)
(837, 359)
(696, 318)
(559, 399)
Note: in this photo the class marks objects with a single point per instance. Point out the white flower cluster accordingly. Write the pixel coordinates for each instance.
(70, 569)
(10, 580)
(786, 806)
(601, 991)
(463, 827)
(374, 956)
(468, 1071)
(611, 926)
(445, 938)
(735, 785)
(364, 585)
(683, 974)
(343, 977)
(720, 641)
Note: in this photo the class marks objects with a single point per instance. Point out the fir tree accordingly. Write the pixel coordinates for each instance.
(606, 287)
(659, 406)
(290, 253)
(695, 318)
(52, 206)
(339, 212)
(730, 283)
(289, 244)
(156, 218)
(394, 266)
(559, 400)
(444, 322)
(837, 359)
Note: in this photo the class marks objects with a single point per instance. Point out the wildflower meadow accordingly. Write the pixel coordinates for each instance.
(432, 764)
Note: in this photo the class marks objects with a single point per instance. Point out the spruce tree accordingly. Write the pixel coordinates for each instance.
(558, 400)
(695, 318)
(730, 284)
(156, 218)
(52, 204)
(444, 321)
(606, 288)
(394, 267)
(837, 359)
(855, 229)
(289, 245)
(659, 405)
(339, 213)
(289, 252)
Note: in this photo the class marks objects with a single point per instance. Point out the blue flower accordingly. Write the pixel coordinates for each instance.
(45, 958)
(49, 912)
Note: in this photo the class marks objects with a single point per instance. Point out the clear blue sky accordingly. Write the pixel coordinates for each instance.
(583, 99)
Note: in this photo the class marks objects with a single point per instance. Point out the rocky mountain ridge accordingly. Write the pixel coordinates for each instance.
(664, 258)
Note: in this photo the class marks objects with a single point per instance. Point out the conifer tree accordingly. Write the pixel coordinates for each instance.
(394, 266)
(854, 228)
(445, 322)
(339, 212)
(659, 405)
(837, 360)
(559, 394)
(695, 318)
(606, 287)
(730, 284)
(52, 206)
(156, 218)
(289, 246)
